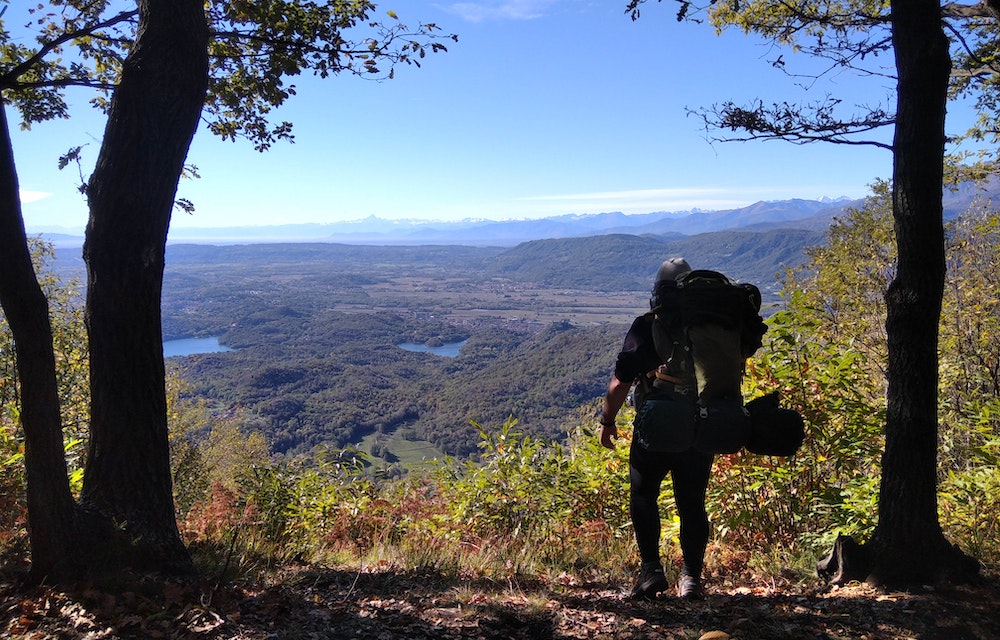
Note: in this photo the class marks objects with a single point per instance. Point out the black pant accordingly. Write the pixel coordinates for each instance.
(689, 472)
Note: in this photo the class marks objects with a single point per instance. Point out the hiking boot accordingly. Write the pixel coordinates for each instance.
(689, 587)
(651, 582)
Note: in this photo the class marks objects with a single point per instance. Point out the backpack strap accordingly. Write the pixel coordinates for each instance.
(671, 344)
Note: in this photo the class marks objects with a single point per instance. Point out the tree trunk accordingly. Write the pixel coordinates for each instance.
(153, 117)
(908, 547)
(50, 504)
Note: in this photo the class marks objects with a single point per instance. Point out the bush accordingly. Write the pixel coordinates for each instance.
(827, 487)
(546, 504)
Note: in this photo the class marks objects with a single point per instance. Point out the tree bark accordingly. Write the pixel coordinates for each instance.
(50, 504)
(908, 547)
(154, 115)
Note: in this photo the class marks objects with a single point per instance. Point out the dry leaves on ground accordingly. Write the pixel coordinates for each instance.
(388, 604)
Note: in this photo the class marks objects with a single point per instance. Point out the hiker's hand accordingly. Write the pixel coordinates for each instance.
(608, 434)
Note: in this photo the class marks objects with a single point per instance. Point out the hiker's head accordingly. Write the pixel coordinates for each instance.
(671, 269)
(666, 276)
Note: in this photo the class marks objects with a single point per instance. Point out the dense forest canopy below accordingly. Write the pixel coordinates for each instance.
(315, 330)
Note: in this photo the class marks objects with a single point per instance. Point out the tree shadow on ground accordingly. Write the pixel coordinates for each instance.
(424, 603)
(384, 603)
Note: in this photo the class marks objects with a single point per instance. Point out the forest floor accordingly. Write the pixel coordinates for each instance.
(388, 604)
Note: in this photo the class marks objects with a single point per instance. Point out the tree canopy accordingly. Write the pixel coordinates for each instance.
(254, 49)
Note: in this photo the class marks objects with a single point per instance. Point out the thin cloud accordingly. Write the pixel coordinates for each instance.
(500, 10)
(33, 196)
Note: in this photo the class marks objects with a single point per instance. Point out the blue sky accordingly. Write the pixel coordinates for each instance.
(543, 107)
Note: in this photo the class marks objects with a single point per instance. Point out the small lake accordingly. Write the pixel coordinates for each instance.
(449, 350)
(191, 346)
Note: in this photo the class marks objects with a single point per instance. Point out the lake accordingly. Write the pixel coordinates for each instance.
(191, 346)
(449, 350)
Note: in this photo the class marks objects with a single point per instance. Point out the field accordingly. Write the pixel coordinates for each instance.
(466, 300)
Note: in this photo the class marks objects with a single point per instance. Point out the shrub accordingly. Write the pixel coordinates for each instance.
(826, 488)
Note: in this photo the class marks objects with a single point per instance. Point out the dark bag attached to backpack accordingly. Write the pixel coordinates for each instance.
(774, 431)
(665, 423)
(723, 426)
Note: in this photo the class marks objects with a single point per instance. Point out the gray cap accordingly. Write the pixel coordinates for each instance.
(671, 269)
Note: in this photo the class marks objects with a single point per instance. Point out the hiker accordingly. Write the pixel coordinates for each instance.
(665, 374)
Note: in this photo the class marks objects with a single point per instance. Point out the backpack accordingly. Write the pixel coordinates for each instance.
(704, 328)
(702, 298)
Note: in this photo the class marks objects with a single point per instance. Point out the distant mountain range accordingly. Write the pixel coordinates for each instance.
(807, 214)
(795, 214)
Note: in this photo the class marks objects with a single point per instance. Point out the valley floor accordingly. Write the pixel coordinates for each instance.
(386, 604)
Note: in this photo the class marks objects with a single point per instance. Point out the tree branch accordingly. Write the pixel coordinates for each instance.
(62, 82)
(792, 123)
(10, 78)
(984, 9)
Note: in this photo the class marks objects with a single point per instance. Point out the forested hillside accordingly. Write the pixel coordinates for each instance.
(616, 262)
(335, 378)
(315, 330)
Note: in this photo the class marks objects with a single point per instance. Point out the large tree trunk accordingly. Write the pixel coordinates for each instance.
(50, 503)
(908, 547)
(154, 115)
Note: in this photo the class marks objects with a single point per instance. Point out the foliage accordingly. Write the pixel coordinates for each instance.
(970, 511)
(542, 502)
(208, 449)
(969, 448)
(530, 506)
(13, 512)
(254, 46)
(970, 342)
(271, 511)
(829, 486)
(840, 292)
(70, 345)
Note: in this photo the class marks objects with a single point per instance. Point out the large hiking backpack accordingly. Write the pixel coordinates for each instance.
(704, 328)
(703, 298)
